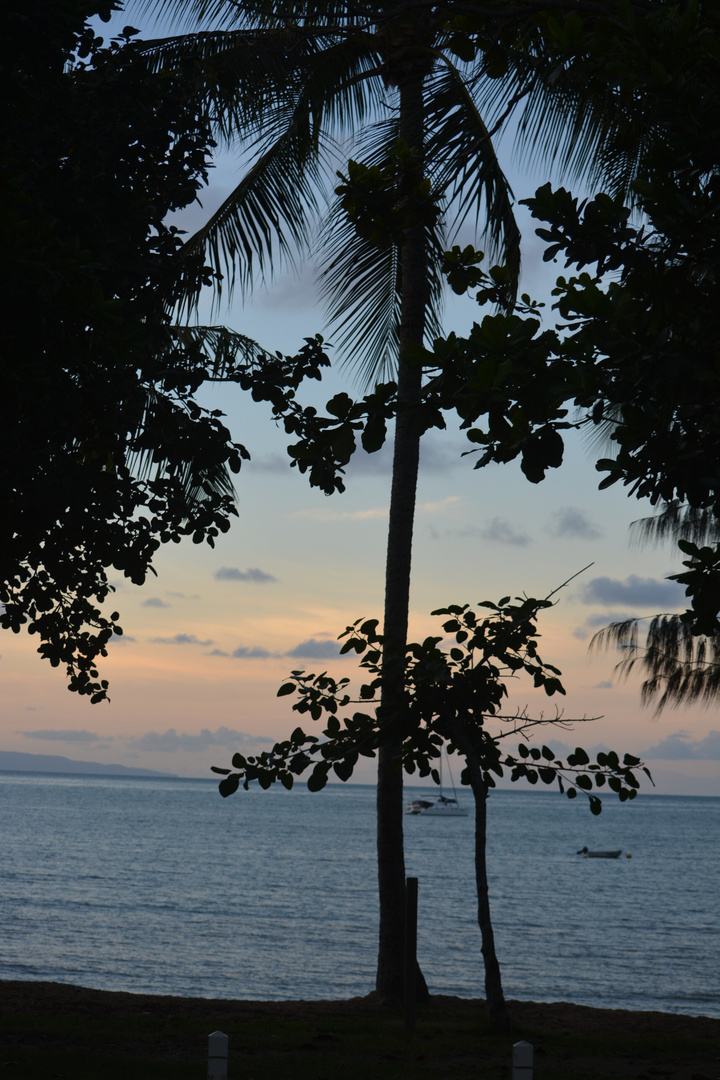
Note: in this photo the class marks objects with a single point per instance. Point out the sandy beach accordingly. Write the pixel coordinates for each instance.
(45, 1024)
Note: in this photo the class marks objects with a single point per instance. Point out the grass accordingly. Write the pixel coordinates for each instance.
(90, 1035)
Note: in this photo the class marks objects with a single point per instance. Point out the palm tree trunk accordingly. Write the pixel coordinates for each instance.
(391, 859)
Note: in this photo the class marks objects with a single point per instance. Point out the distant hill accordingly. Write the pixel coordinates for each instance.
(54, 763)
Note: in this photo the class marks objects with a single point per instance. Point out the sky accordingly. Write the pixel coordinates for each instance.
(208, 641)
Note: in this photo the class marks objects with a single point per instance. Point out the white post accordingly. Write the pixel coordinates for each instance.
(217, 1056)
(522, 1061)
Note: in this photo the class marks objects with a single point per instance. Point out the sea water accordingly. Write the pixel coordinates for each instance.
(161, 886)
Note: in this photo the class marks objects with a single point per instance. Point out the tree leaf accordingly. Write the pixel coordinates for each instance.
(318, 777)
(343, 769)
(229, 785)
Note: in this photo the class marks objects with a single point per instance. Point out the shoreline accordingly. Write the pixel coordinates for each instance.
(41, 994)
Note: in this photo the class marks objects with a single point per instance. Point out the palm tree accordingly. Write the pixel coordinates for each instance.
(291, 83)
(680, 666)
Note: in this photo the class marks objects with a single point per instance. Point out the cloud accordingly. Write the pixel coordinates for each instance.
(643, 592)
(253, 574)
(245, 652)
(290, 292)
(604, 618)
(184, 596)
(377, 464)
(275, 463)
(600, 620)
(255, 653)
(440, 506)
(155, 601)
(605, 685)
(436, 455)
(64, 735)
(121, 639)
(374, 512)
(313, 649)
(439, 455)
(499, 531)
(320, 514)
(171, 741)
(229, 737)
(181, 639)
(679, 747)
(572, 523)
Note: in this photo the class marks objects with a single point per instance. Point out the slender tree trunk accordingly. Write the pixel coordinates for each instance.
(494, 995)
(493, 983)
(391, 859)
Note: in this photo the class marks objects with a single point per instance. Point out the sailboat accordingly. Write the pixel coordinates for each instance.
(441, 805)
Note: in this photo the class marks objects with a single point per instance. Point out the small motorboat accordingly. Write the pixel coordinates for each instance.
(443, 806)
(586, 854)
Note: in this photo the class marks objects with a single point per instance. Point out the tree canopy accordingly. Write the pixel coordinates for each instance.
(454, 696)
(636, 352)
(643, 325)
(105, 454)
(455, 687)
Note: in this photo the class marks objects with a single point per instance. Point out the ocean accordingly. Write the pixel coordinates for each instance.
(157, 885)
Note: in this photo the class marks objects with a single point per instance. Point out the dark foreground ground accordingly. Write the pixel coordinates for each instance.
(51, 1030)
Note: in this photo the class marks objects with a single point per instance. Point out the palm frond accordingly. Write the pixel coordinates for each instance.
(274, 13)
(681, 668)
(463, 162)
(361, 281)
(289, 81)
(237, 76)
(337, 81)
(263, 75)
(280, 99)
(269, 213)
(223, 349)
(567, 119)
(676, 521)
(224, 353)
(360, 285)
(197, 481)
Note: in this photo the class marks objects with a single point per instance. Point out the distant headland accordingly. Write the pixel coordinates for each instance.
(13, 761)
